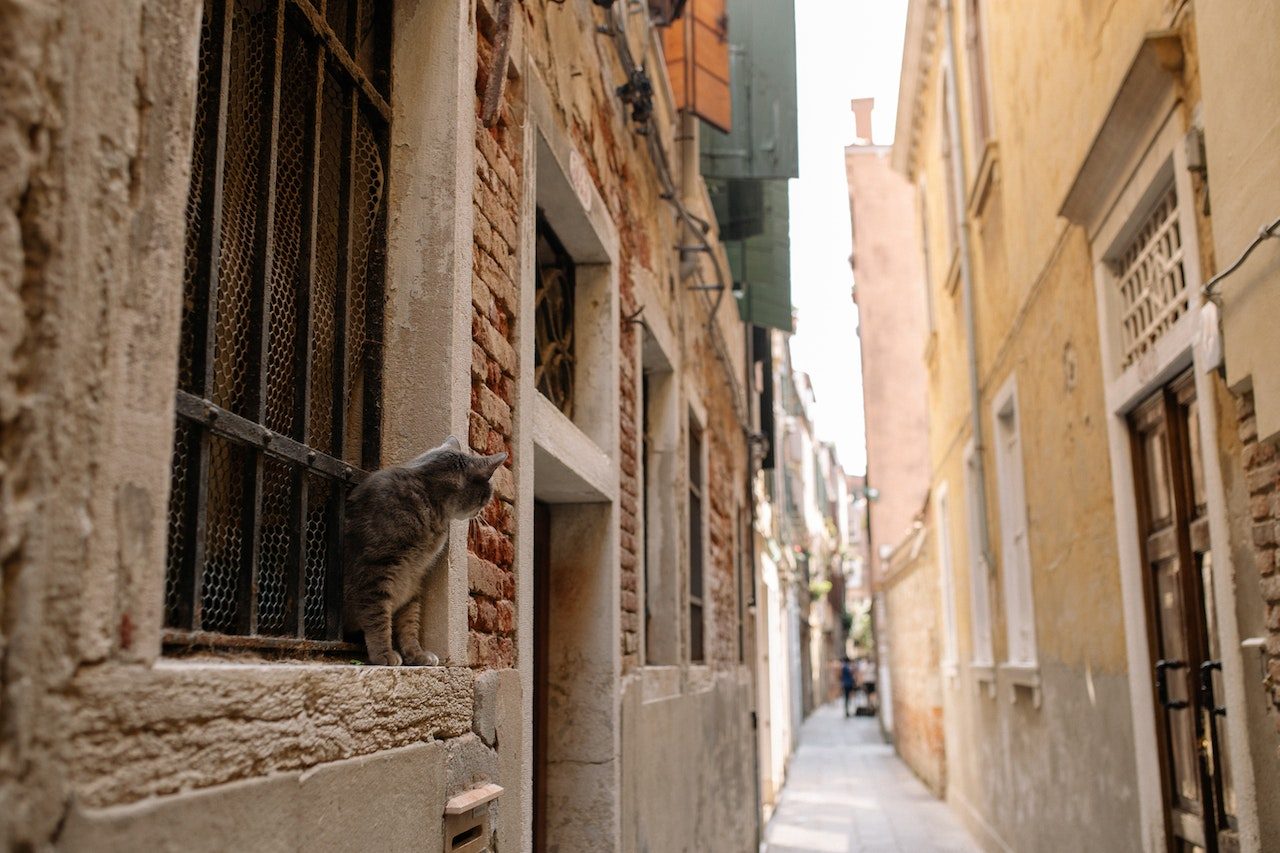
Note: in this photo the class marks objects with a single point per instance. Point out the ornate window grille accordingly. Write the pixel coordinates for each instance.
(553, 370)
(279, 381)
(1153, 289)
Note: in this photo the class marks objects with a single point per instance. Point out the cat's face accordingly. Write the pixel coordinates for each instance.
(465, 479)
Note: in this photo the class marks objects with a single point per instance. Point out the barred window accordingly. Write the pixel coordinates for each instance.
(279, 379)
(1153, 289)
(553, 355)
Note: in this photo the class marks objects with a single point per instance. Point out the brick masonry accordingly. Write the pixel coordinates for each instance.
(491, 612)
(1262, 476)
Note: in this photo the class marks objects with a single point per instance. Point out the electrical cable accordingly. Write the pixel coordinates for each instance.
(670, 193)
(1271, 231)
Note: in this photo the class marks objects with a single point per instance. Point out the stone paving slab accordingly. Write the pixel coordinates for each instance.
(847, 792)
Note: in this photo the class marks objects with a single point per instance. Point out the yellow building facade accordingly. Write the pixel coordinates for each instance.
(1101, 592)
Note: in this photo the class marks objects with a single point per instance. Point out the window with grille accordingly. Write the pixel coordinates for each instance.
(1149, 278)
(553, 359)
(279, 380)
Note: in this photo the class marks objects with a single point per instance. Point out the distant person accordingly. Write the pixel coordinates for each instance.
(867, 682)
(847, 682)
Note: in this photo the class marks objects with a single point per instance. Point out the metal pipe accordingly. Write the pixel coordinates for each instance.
(959, 182)
(1264, 233)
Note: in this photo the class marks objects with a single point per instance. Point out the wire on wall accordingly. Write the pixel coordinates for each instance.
(637, 93)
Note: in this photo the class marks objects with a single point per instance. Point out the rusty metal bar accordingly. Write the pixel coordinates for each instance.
(333, 566)
(193, 640)
(342, 285)
(498, 70)
(260, 330)
(296, 592)
(371, 433)
(210, 247)
(232, 426)
(342, 58)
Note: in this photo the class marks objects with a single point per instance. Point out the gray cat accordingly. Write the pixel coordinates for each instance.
(397, 523)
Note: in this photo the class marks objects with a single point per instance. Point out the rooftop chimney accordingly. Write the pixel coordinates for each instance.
(862, 119)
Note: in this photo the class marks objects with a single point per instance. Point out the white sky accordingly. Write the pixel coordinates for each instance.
(845, 49)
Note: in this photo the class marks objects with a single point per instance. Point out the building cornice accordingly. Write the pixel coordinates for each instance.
(917, 57)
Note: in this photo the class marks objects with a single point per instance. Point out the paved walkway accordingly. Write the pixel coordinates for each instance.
(848, 793)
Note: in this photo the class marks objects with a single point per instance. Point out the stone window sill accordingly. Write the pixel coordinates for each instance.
(1022, 675)
(984, 179)
(952, 284)
(984, 674)
(360, 709)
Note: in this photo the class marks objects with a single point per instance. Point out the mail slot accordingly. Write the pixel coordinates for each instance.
(466, 820)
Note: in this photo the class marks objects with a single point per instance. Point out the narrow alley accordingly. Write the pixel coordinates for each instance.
(506, 426)
(847, 792)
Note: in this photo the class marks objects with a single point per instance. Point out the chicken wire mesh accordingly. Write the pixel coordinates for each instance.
(280, 354)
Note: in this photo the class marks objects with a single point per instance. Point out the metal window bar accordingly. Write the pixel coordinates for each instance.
(279, 397)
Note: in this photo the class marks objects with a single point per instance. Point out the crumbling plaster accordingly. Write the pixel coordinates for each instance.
(97, 128)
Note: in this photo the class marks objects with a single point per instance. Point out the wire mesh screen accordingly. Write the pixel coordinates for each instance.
(280, 358)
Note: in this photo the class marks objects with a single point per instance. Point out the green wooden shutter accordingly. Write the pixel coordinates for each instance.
(761, 263)
(762, 68)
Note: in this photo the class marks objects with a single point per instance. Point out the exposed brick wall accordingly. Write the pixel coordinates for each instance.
(581, 77)
(1262, 473)
(722, 638)
(491, 613)
(629, 481)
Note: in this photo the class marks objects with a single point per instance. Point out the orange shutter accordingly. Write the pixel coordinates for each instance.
(697, 50)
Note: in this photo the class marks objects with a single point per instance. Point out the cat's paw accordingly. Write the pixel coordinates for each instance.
(391, 658)
(421, 658)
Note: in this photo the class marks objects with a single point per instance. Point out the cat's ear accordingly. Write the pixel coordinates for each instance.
(452, 443)
(487, 465)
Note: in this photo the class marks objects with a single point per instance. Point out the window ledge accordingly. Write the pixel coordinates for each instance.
(984, 674)
(1026, 675)
(661, 682)
(984, 180)
(950, 670)
(952, 283)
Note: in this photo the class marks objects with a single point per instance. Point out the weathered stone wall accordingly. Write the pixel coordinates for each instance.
(94, 130)
(96, 110)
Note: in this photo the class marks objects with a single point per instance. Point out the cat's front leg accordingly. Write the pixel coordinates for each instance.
(407, 624)
(377, 635)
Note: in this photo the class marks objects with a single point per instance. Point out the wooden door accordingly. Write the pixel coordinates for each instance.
(1186, 670)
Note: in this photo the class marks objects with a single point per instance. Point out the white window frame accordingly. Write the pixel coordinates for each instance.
(1021, 665)
(949, 149)
(981, 114)
(947, 585)
(981, 630)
